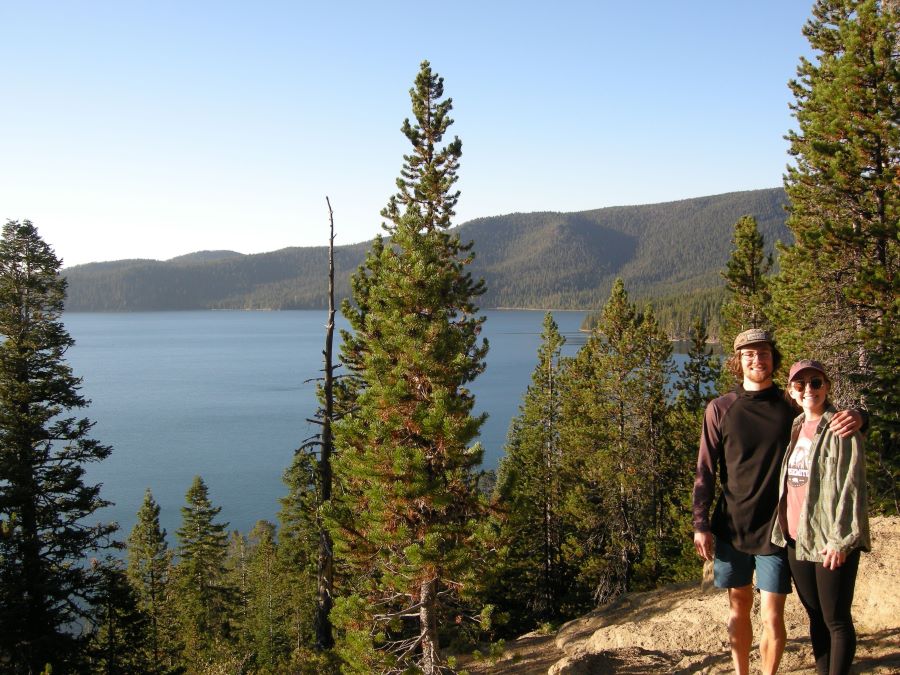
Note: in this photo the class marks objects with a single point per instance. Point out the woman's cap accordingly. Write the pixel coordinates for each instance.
(805, 364)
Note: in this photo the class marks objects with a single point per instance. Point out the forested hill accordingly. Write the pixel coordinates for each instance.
(528, 260)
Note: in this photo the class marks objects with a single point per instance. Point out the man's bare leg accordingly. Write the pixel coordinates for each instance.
(774, 637)
(740, 630)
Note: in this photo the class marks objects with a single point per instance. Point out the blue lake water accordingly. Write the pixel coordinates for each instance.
(225, 395)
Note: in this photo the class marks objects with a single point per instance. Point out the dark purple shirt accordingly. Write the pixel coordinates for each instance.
(744, 437)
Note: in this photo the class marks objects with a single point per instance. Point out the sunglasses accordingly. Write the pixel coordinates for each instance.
(815, 383)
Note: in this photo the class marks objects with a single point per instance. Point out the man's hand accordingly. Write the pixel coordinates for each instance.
(846, 422)
(703, 543)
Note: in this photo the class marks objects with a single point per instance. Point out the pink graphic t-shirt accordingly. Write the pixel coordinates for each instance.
(797, 481)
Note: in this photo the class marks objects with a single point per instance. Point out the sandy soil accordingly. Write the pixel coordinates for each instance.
(681, 629)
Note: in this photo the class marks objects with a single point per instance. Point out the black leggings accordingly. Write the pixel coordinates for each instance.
(827, 596)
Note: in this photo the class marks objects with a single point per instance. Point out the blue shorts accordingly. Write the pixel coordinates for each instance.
(733, 569)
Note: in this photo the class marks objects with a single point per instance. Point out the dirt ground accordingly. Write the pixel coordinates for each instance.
(681, 629)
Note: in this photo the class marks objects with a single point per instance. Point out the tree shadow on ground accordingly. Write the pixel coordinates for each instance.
(884, 647)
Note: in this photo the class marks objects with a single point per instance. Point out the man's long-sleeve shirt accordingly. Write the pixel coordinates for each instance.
(744, 437)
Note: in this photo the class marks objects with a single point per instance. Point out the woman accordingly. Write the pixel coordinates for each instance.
(822, 517)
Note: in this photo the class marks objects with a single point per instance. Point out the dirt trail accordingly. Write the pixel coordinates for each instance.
(681, 629)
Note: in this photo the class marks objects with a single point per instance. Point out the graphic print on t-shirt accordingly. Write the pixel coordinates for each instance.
(798, 464)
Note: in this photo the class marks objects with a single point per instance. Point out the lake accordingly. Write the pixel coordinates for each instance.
(225, 395)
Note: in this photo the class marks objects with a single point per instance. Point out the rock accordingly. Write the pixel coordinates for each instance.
(681, 629)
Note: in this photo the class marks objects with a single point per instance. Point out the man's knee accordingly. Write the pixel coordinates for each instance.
(740, 601)
(771, 611)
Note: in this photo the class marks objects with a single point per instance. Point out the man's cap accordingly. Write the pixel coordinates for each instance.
(805, 364)
(748, 337)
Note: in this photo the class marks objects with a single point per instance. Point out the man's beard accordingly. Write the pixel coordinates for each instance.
(759, 376)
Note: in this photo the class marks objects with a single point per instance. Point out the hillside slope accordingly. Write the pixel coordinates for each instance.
(681, 629)
(532, 260)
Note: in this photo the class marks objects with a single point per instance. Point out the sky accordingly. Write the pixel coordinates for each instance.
(151, 129)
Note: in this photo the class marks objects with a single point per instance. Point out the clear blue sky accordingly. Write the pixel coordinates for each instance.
(155, 128)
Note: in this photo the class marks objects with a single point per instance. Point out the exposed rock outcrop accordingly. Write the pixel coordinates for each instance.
(681, 629)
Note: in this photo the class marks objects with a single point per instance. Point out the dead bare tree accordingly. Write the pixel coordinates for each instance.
(324, 440)
(324, 601)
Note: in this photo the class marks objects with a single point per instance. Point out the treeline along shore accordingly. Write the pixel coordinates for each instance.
(671, 252)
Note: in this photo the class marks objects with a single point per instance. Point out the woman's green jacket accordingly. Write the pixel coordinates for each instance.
(835, 514)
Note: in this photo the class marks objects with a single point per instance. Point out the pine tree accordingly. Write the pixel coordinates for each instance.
(837, 293)
(120, 639)
(614, 432)
(694, 387)
(746, 282)
(530, 492)
(405, 458)
(272, 620)
(700, 371)
(204, 598)
(297, 549)
(237, 556)
(45, 506)
(265, 629)
(660, 465)
(148, 572)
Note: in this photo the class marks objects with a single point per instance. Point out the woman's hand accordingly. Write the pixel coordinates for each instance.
(832, 559)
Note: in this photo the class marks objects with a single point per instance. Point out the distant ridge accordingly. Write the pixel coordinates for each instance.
(528, 260)
(205, 256)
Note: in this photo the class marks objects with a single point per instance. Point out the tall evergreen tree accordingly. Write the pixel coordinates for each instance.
(119, 642)
(660, 465)
(530, 493)
(837, 293)
(694, 388)
(205, 600)
(237, 556)
(264, 630)
(405, 461)
(297, 549)
(613, 430)
(148, 572)
(699, 372)
(46, 529)
(746, 282)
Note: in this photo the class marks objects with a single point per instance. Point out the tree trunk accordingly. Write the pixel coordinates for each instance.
(431, 655)
(324, 637)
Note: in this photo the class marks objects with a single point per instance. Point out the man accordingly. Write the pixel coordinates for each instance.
(745, 434)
